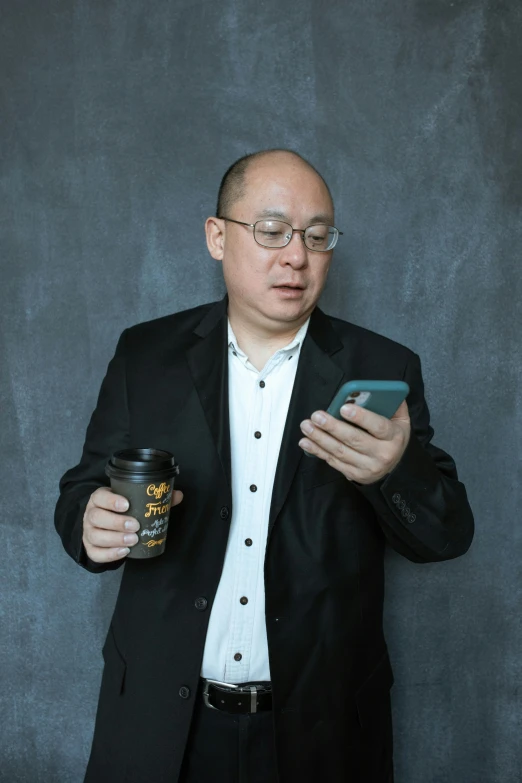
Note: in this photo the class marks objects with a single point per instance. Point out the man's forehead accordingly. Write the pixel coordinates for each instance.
(279, 213)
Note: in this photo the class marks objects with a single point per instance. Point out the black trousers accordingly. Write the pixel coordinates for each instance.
(225, 748)
(229, 748)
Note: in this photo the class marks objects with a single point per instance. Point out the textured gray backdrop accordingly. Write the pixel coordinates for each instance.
(117, 122)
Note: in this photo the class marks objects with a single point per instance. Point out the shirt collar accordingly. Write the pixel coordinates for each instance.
(296, 342)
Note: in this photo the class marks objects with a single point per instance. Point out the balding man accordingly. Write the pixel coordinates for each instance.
(252, 650)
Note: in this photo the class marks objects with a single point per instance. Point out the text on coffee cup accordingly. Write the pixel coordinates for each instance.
(157, 491)
(156, 508)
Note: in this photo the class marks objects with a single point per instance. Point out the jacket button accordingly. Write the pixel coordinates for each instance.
(406, 512)
(224, 512)
(412, 519)
(201, 603)
(396, 498)
(184, 692)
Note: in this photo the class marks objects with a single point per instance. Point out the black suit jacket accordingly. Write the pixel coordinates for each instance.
(167, 387)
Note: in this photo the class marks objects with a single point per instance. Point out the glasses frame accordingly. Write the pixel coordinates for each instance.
(301, 231)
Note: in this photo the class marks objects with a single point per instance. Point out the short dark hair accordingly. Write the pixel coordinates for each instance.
(232, 187)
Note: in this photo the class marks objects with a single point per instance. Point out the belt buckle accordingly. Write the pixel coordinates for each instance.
(251, 689)
(214, 682)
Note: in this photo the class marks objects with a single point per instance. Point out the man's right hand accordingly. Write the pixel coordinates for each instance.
(107, 532)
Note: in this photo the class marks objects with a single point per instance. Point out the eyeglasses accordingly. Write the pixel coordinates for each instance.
(276, 233)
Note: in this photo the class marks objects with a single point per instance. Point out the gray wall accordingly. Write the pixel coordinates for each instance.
(117, 122)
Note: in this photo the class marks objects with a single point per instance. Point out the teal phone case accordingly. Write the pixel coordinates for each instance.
(385, 397)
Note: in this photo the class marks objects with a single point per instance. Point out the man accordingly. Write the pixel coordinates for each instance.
(273, 574)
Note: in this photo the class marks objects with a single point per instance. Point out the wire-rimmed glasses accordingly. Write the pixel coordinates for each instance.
(276, 233)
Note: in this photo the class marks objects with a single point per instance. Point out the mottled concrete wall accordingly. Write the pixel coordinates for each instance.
(117, 122)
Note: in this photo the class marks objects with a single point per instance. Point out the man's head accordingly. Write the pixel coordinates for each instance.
(281, 185)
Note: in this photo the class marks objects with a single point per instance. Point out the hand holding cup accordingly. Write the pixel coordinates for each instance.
(107, 532)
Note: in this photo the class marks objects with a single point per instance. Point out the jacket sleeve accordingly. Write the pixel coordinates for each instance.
(421, 505)
(108, 431)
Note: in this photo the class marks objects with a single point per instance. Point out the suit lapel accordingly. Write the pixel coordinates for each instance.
(208, 364)
(317, 379)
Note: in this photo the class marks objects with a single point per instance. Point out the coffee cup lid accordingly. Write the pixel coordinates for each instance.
(142, 465)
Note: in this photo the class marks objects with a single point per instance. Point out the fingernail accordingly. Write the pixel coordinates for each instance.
(307, 427)
(130, 524)
(122, 504)
(130, 538)
(349, 411)
(123, 551)
(319, 418)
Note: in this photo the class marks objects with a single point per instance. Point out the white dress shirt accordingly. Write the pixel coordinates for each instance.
(236, 648)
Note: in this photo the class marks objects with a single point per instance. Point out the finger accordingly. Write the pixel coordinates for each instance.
(107, 539)
(376, 425)
(177, 497)
(100, 555)
(106, 498)
(328, 447)
(332, 431)
(108, 520)
(353, 471)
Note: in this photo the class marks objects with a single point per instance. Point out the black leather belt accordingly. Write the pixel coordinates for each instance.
(243, 699)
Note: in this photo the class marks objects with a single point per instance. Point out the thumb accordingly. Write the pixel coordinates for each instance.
(402, 413)
(177, 497)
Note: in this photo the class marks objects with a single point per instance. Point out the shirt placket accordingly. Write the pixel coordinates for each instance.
(249, 529)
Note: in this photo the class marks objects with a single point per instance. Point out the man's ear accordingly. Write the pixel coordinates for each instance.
(215, 233)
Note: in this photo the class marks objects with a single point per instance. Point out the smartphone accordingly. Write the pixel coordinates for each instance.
(382, 397)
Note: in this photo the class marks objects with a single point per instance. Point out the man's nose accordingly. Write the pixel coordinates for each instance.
(295, 251)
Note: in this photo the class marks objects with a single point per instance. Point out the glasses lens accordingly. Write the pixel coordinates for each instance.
(321, 237)
(272, 233)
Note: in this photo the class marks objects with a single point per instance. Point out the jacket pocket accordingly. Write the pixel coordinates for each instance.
(374, 693)
(115, 666)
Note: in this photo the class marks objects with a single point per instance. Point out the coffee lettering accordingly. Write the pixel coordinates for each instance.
(157, 491)
(156, 508)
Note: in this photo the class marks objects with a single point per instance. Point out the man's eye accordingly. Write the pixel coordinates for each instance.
(271, 234)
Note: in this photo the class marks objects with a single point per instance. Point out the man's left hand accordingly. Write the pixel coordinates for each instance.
(362, 455)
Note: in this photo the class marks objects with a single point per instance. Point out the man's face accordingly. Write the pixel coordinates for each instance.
(281, 187)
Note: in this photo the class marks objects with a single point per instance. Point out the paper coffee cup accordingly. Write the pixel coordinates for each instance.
(146, 478)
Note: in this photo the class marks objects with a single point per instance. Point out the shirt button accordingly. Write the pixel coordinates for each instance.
(243, 600)
(248, 542)
(224, 512)
(262, 384)
(257, 435)
(184, 692)
(201, 604)
(237, 657)
(253, 488)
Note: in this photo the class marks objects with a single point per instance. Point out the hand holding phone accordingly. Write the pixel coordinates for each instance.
(382, 397)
